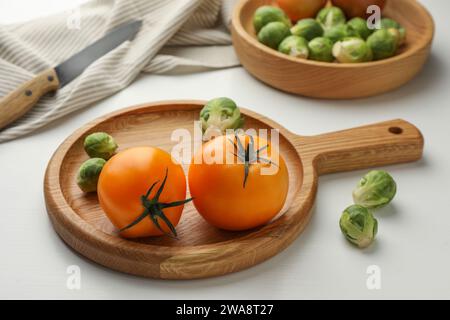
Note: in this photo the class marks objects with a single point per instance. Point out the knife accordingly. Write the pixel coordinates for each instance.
(22, 99)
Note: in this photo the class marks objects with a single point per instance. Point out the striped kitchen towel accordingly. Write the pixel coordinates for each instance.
(177, 36)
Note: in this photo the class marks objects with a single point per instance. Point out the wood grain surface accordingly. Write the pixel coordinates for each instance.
(18, 102)
(202, 250)
(335, 80)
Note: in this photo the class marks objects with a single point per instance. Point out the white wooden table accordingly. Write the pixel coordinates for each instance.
(413, 246)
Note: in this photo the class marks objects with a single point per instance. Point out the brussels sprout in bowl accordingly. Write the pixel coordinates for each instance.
(308, 29)
(320, 49)
(331, 16)
(295, 46)
(273, 33)
(352, 50)
(387, 23)
(340, 32)
(383, 43)
(359, 25)
(266, 14)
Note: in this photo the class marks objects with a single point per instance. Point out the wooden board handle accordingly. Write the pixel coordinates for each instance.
(375, 145)
(18, 102)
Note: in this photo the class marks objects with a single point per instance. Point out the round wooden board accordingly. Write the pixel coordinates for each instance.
(335, 80)
(202, 250)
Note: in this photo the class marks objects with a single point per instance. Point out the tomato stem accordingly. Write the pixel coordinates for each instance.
(153, 209)
(248, 155)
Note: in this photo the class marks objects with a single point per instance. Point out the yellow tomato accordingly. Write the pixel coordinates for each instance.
(124, 181)
(225, 195)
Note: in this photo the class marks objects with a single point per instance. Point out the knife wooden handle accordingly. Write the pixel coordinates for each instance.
(18, 102)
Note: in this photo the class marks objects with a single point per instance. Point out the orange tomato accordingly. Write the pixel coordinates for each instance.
(301, 9)
(124, 182)
(222, 194)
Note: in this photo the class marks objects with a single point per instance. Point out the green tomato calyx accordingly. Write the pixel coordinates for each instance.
(153, 209)
(248, 155)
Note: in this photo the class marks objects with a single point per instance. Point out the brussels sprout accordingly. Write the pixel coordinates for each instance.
(331, 16)
(384, 44)
(219, 115)
(273, 33)
(100, 145)
(375, 190)
(358, 225)
(359, 25)
(387, 23)
(352, 50)
(340, 32)
(308, 29)
(88, 174)
(320, 49)
(267, 14)
(295, 46)
(396, 34)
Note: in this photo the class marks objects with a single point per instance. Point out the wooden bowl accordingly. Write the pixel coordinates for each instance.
(335, 80)
(202, 250)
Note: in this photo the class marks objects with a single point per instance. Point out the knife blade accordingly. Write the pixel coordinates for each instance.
(22, 99)
(75, 65)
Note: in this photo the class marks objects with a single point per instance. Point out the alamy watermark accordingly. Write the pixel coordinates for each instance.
(73, 281)
(374, 20)
(373, 281)
(74, 19)
(260, 145)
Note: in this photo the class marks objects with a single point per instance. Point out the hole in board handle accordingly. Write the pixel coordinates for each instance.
(395, 130)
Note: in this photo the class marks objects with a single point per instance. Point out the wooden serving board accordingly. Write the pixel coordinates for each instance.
(202, 250)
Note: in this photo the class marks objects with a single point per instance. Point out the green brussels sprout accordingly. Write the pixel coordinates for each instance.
(352, 50)
(375, 190)
(396, 34)
(266, 14)
(273, 33)
(331, 16)
(320, 49)
(387, 23)
(218, 115)
(384, 44)
(340, 32)
(359, 25)
(100, 145)
(308, 29)
(88, 174)
(295, 46)
(358, 225)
